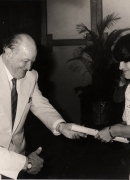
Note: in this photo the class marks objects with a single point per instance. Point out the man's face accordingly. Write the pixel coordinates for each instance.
(125, 67)
(21, 60)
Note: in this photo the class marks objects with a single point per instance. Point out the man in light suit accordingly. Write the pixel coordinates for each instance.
(18, 55)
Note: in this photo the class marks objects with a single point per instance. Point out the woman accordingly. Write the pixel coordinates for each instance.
(122, 55)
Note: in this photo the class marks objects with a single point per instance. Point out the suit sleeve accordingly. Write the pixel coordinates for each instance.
(42, 109)
(11, 163)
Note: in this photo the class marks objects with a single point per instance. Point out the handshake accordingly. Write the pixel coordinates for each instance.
(94, 132)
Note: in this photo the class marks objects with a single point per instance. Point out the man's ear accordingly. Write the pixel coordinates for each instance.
(8, 53)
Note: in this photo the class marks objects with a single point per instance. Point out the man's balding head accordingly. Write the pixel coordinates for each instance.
(19, 39)
(19, 53)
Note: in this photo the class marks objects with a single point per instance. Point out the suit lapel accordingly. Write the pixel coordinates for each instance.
(23, 95)
(5, 91)
(5, 95)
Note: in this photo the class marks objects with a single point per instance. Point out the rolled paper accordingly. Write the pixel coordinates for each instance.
(121, 139)
(85, 130)
(93, 132)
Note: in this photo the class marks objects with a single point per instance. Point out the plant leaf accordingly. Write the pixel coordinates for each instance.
(94, 37)
(81, 28)
(107, 22)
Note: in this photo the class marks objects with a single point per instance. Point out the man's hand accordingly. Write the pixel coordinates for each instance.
(65, 129)
(104, 135)
(37, 162)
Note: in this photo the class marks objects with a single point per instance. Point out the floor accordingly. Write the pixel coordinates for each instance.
(76, 159)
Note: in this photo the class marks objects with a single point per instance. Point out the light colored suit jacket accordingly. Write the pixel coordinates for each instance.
(12, 142)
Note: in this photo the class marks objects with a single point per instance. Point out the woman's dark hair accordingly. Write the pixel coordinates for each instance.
(121, 50)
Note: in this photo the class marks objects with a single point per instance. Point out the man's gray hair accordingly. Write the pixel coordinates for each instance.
(18, 39)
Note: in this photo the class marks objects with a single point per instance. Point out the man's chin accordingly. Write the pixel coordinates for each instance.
(21, 76)
(127, 77)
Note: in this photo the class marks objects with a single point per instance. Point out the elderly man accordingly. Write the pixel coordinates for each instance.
(19, 93)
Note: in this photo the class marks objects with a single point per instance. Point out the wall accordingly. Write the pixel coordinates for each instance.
(62, 17)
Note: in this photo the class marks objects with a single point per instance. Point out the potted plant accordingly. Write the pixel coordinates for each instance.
(97, 59)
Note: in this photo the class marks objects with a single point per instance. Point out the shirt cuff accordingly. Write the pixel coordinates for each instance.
(21, 160)
(56, 133)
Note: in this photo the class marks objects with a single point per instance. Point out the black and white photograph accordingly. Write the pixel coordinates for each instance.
(65, 89)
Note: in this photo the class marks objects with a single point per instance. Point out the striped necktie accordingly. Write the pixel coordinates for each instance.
(14, 97)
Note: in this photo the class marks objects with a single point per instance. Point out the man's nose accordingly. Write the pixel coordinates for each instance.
(121, 66)
(28, 66)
